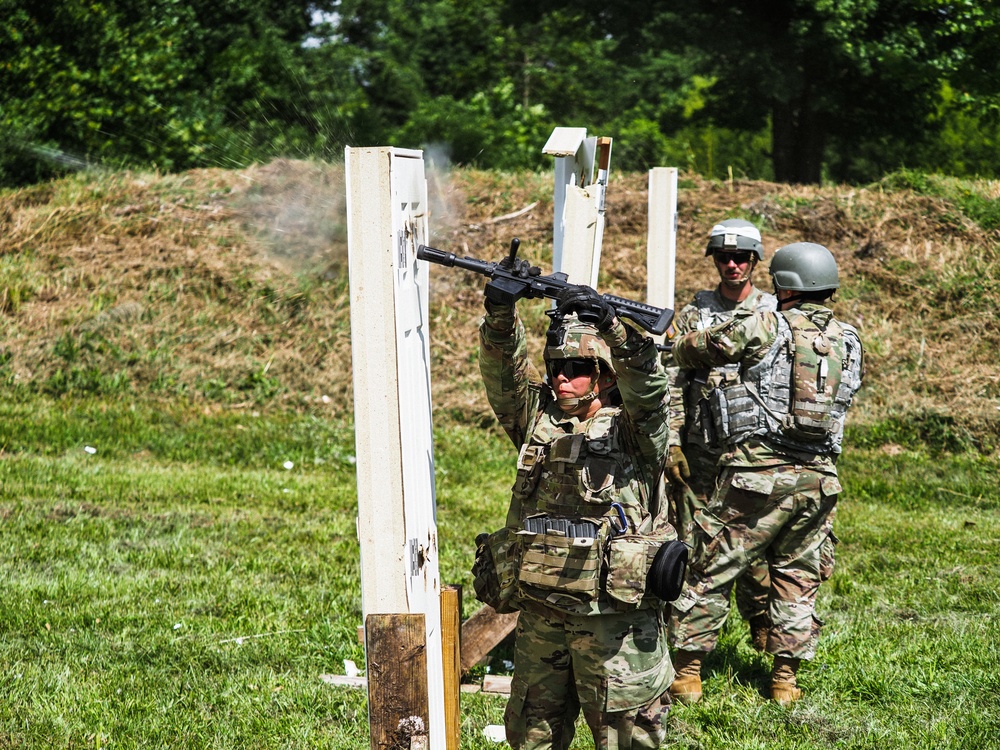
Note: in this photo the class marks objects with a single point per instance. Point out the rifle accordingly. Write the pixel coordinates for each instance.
(508, 287)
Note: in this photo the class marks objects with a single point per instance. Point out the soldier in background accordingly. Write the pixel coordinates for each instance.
(582, 528)
(692, 463)
(777, 491)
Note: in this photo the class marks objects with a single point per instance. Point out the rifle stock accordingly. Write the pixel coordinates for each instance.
(509, 287)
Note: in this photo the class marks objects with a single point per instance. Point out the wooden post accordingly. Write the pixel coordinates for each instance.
(661, 238)
(451, 651)
(397, 681)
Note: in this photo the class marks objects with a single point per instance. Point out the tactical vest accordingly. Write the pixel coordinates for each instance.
(699, 425)
(798, 396)
(579, 534)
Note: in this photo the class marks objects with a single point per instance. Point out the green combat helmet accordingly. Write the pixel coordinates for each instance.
(804, 267)
(733, 235)
(572, 339)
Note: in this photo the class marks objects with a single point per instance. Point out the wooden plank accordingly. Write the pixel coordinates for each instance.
(482, 632)
(451, 652)
(397, 679)
(495, 683)
(580, 229)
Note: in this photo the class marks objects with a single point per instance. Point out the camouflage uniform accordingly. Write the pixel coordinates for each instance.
(692, 424)
(776, 493)
(577, 645)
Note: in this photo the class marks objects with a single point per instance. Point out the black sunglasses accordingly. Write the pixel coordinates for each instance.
(572, 368)
(740, 257)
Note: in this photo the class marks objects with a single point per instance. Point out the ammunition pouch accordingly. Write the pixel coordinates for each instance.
(562, 556)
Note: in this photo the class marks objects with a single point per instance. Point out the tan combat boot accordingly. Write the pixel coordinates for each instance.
(783, 687)
(686, 686)
(760, 626)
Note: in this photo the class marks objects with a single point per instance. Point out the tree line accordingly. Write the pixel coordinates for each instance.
(789, 90)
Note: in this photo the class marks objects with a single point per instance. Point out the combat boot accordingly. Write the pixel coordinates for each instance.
(783, 687)
(760, 626)
(686, 686)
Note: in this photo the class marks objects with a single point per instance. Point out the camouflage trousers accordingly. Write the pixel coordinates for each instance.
(616, 667)
(782, 513)
(753, 585)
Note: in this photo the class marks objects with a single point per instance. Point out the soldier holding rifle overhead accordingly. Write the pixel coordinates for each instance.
(585, 555)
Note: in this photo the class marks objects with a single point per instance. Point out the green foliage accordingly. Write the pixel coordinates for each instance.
(490, 129)
(842, 91)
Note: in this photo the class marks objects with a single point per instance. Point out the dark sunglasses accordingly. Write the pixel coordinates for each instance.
(739, 258)
(572, 368)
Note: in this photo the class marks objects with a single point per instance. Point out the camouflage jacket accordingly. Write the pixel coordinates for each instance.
(573, 468)
(690, 418)
(749, 339)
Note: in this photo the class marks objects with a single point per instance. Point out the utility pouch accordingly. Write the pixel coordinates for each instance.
(554, 561)
(734, 412)
(494, 572)
(628, 559)
(529, 469)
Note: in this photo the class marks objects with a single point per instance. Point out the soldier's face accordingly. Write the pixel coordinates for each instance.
(573, 378)
(734, 267)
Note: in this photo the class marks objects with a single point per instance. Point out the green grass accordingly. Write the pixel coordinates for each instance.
(179, 588)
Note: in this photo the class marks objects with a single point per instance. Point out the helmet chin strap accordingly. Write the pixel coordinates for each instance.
(570, 404)
(788, 302)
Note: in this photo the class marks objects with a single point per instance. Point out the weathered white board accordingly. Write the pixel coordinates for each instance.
(397, 528)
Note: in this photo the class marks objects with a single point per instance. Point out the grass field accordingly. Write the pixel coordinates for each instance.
(178, 587)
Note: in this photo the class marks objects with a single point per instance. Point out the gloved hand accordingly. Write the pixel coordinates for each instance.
(676, 465)
(588, 305)
(519, 267)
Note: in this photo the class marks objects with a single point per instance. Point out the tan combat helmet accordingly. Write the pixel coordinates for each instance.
(573, 339)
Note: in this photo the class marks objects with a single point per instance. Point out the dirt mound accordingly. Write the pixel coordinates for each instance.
(229, 287)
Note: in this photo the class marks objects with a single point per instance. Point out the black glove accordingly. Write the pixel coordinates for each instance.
(519, 267)
(588, 306)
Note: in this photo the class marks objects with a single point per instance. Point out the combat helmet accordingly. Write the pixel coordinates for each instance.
(733, 235)
(804, 267)
(570, 338)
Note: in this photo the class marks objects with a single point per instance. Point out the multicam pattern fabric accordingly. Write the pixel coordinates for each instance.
(690, 387)
(752, 587)
(784, 512)
(749, 339)
(580, 342)
(771, 500)
(798, 395)
(575, 644)
(691, 419)
(609, 666)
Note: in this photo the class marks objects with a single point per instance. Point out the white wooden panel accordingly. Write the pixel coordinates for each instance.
(661, 237)
(397, 526)
(564, 141)
(581, 227)
(574, 165)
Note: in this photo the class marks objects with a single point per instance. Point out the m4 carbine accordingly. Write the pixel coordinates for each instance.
(511, 280)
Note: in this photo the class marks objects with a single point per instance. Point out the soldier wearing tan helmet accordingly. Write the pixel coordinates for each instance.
(782, 427)
(583, 531)
(735, 248)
